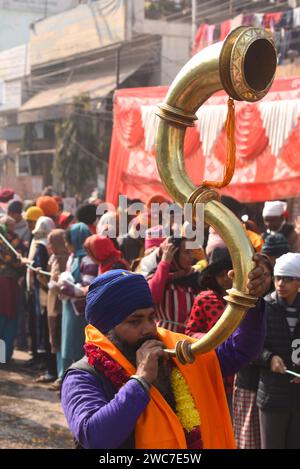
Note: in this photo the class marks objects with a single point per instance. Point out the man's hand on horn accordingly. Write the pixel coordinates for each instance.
(258, 284)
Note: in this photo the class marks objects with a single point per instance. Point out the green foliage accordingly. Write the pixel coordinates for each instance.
(77, 148)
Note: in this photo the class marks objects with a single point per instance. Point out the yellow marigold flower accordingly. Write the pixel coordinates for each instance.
(185, 406)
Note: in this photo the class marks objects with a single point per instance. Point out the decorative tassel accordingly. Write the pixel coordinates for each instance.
(229, 168)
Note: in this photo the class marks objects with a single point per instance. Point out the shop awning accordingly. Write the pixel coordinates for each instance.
(56, 102)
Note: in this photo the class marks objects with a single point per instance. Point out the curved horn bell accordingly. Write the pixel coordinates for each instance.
(244, 66)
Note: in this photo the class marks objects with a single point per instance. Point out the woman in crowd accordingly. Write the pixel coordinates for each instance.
(108, 225)
(103, 251)
(81, 271)
(132, 244)
(209, 305)
(65, 219)
(32, 214)
(57, 265)
(10, 271)
(43, 228)
(173, 282)
(87, 213)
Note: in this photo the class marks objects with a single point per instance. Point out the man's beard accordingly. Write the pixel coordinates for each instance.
(163, 381)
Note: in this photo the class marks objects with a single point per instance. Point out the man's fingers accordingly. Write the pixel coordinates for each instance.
(277, 364)
(282, 365)
(257, 292)
(256, 279)
(255, 273)
(254, 283)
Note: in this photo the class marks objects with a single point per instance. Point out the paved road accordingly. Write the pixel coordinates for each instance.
(30, 414)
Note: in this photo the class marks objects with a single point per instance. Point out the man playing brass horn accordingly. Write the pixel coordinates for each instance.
(127, 392)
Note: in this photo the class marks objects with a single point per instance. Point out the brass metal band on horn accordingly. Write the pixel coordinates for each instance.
(244, 65)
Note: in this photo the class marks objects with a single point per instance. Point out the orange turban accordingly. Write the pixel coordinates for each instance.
(48, 205)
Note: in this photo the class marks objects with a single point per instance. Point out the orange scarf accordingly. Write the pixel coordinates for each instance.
(158, 426)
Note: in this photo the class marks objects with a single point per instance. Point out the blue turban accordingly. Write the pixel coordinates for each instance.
(115, 295)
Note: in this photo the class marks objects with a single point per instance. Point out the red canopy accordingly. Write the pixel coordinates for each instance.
(267, 139)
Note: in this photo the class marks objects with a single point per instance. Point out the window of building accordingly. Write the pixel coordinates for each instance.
(23, 165)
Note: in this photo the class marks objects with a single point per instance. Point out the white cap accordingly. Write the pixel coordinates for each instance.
(288, 265)
(274, 208)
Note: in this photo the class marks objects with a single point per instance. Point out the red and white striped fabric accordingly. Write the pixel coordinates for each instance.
(173, 312)
(245, 419)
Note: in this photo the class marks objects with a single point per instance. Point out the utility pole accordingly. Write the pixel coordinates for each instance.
(194, 21)
(118, 56)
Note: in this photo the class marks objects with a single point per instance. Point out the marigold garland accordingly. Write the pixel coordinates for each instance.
(185, 406)
(103, 362)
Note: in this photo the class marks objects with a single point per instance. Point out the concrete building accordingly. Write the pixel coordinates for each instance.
(17, 169)
(88, 50)
(17, 16)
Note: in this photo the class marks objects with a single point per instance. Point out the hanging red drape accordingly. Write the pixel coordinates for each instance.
(260, 175)
(291, 150)
(128, 126)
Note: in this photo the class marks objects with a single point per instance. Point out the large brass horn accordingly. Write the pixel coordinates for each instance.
(244, 65)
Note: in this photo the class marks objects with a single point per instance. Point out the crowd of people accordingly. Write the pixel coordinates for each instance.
(69, 290)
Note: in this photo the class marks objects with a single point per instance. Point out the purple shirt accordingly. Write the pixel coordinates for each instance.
(98, 422)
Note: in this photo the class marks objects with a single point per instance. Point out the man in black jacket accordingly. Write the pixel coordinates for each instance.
(278, 395)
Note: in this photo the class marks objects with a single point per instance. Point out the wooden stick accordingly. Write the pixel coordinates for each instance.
(37, 270)
(9, 245)
(43, 272)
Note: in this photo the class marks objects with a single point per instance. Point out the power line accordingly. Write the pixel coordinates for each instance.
(150, 69)
(45, 84)
(204, 11)
(211, 13)
(134, 50)
(145, 67)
